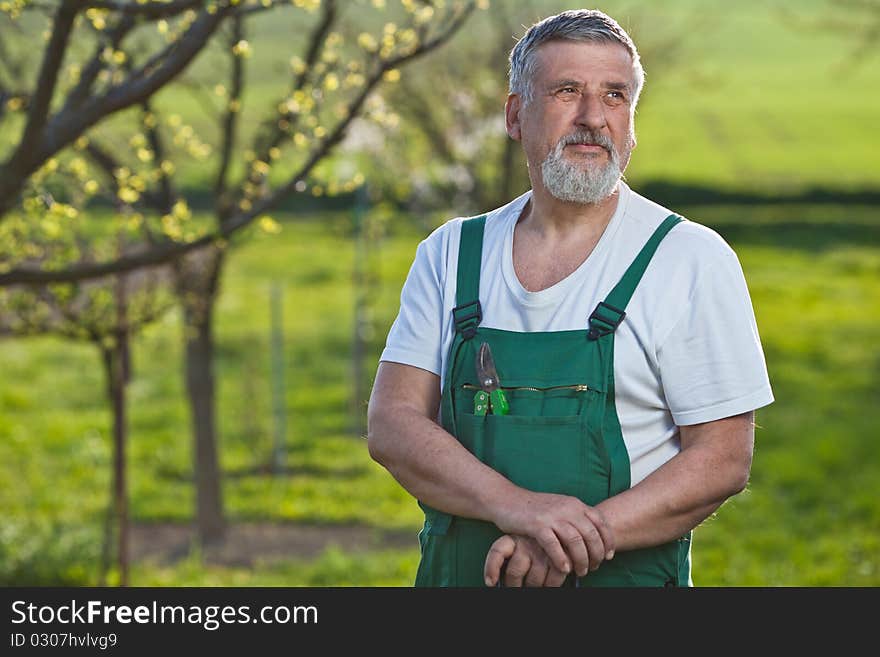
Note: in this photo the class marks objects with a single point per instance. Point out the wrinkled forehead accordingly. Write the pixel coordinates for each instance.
(570, 58)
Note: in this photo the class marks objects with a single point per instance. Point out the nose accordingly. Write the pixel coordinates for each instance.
(591, 112)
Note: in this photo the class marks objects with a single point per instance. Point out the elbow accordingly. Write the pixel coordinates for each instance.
(376, 449)
(739, 481)
(740, 460)
(377, 444)
(727, 473)
(739, 469)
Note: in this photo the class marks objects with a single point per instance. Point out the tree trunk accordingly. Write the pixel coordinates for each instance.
(115, 365)
(120, 379)
(197, 286)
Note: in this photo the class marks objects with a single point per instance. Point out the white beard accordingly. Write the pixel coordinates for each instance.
(575, 182)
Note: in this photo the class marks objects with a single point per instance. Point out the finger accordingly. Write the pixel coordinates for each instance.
(576, 547)
(549, 542)
(517, 567)
(595, 546)
(537, 574)
(501, 550)
(555, 578)
(592, 540)
(599, 522)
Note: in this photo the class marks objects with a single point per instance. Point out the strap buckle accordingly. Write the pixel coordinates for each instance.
(467, 317)
(604, 322)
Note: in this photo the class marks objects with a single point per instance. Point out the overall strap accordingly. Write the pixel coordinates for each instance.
(467, 313)
(610, 312)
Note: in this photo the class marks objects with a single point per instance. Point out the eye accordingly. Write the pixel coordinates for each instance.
(567, 92)
(616, 97)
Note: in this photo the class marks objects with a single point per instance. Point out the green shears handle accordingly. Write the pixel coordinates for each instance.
(490, 402)
(481, 402)
(498, 402)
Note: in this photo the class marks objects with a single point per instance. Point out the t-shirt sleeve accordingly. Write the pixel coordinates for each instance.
(711, 363)
(415, 336)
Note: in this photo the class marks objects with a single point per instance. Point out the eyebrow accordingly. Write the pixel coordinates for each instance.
(565, 82)
(571, 82)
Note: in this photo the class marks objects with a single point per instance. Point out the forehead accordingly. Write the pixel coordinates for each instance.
(589, 61)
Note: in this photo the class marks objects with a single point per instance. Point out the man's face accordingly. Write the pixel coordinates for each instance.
(577, 130)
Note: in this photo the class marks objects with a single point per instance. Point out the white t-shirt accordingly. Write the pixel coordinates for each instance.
(687, 352)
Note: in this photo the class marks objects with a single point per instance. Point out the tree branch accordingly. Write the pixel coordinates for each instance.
(318, 35)
(48, 77)
(102, 157)
(67, 126)
(91, 70)
(445, 34)
(354, 107)
(168, 251)
(21, 162)
(231, 116)
(151, 10)
(274, 135)
(163, 200)
(151, 77)
(159, 254)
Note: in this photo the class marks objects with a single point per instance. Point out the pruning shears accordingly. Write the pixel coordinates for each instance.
(490, 397)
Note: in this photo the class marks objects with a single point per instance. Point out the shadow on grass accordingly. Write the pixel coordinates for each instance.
(807, 236)
(266, 470)
(804, 226)
(246, 544)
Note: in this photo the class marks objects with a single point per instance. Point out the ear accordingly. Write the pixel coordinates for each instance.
(511, 116)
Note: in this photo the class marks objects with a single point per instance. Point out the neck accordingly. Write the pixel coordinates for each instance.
(549, 216)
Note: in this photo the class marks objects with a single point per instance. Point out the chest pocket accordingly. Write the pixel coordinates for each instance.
(544, 443)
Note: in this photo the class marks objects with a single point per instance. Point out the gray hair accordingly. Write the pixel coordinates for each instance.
(573, 25)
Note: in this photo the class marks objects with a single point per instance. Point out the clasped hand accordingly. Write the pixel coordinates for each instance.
(547, 538)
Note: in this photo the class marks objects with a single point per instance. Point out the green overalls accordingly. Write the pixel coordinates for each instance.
(561, 434)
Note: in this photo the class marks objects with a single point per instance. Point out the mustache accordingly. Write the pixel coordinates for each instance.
(587, 137)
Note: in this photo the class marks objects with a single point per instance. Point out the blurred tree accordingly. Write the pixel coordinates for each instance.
(106, 313)
(312, 121)
(345, 53)
(97, 86)
(450, 150)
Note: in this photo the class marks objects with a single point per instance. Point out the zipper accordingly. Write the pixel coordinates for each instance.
(578, 388)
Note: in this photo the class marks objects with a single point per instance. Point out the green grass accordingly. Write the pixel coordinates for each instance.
(334, 568)
(809, 517)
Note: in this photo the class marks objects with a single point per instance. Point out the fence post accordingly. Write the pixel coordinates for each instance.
(279, 428)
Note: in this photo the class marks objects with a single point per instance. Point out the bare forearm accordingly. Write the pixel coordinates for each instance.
(686, 490)
(434, 467)
(661, 508)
